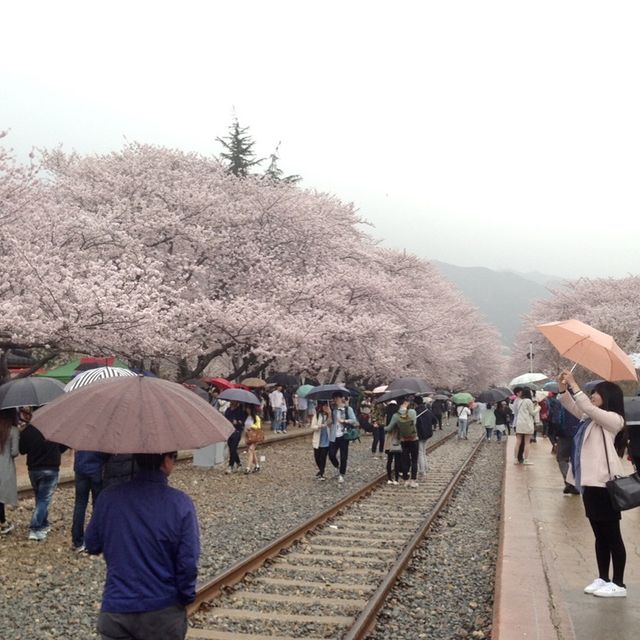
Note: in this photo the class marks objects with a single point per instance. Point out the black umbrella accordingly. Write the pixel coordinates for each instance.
(393, 394)
(491, 396)
(29, 392)
(200, 393)
(326, 391)
(414, 385)
(632, 409)
(239, 395)
(285, 379)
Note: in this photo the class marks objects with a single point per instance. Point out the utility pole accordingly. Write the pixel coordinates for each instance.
(530, 357)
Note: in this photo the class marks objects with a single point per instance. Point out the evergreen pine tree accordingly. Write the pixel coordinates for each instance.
(275, 173)
(238, 150)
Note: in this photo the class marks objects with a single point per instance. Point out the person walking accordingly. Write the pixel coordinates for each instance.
(148, 534)
(489, 421)
(438, 409)
(343, 418)
(392, 447)
(320, 424)
(43, 463)
(524, 426)
(404, 422)
(378, 422)
(252, 436)
(9, 449)
(278, 408)
(464, 413)
(236, 415)
(502, 419)
(87, 468)
(426, 422)
(599, 443)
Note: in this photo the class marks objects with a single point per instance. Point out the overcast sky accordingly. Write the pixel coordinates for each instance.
(497, 134)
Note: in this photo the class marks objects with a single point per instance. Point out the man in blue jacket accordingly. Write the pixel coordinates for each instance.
(87, 467)
(148, 533)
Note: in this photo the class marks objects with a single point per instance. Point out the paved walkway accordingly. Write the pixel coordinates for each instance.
(548, 557)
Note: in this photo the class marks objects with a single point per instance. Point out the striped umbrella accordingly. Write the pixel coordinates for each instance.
(95, 375)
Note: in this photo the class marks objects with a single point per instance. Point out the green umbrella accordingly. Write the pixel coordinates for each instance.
(304, 389)
(462, 398)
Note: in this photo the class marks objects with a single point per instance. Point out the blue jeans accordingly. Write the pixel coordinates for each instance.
(462, 428)
(85, 486)
(277, 420)
(44, 483)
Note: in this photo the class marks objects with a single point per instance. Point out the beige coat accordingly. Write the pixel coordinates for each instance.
(316, 427)
(593, 461)
(525, 420)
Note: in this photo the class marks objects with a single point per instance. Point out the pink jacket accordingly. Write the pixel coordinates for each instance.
(593, 462)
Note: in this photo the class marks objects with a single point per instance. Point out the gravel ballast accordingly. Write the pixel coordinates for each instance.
(50, 592)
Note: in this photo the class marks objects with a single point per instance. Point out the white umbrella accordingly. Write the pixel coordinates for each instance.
(95, 375)
(635, 359)
(525, 378)
(380, 389)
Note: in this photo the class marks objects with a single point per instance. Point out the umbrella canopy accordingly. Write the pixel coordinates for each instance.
(381, 389)
(591, 385)
(29, 392)
(285, 379)
(440, 396)
(593, 349)
(492, 396)
(95, 375)
(526, 378)
(393, 394)
(201, 393)
(632, 410)
(415, 385)
(304, 389)
(326, 391)
(552, 386)
(220, 383)
(461, 398)
(201, 383)
(239, 395)
(125, 415)
(254, 383)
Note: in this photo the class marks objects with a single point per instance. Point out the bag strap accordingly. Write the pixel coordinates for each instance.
(606, 454)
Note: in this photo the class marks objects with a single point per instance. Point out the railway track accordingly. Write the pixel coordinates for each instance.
(329, 577)
(67, 481)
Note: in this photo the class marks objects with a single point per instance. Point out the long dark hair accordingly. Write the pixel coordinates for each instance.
(7, 420)
(613, 400)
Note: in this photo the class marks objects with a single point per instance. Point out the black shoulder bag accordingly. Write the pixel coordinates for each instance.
(624, 491)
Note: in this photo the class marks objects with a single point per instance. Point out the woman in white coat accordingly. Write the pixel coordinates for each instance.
(524, 426)
(9, 442)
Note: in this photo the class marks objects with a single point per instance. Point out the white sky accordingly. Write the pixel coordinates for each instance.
(497, 134)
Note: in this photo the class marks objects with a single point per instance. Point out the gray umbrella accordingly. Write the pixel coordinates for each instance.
(393, 394)
(414, 385)
(29, 392)
(239, 395)
(326, 391)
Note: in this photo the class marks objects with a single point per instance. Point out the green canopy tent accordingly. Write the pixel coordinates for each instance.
(66, 372)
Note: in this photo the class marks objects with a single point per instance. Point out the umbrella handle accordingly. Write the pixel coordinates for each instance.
(572, 368)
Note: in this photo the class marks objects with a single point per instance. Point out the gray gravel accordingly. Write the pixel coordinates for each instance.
(447, 591)
(50, 592)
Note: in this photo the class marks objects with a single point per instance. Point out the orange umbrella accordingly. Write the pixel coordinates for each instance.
(593, 349)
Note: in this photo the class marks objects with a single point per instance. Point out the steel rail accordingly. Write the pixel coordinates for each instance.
(234, 574)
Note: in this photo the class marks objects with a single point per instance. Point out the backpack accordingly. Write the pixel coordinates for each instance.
(424, 424)
(406, 426)
(352, 432)
(556, 411)
(544, 410)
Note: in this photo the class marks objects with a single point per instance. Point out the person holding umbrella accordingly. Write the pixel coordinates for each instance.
(236, 415)
(9, 442)
(343, 418)
(320, 424)
(598, 445)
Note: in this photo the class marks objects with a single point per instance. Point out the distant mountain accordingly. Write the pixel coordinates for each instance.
(503, 296)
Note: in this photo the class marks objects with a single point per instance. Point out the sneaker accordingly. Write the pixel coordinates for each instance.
(389, 481)
(527, 462)
(598, 583)
(37, 535)
(79, 549)
(413, 484)
(285, 431)
(516, 462)
(247, 471)
(229, 470)
(256, 468)
(340, 479)
(6, 527)
(395, 482)
(322, 478)
(611, 590)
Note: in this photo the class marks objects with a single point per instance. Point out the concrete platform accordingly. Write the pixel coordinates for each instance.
(547, 557)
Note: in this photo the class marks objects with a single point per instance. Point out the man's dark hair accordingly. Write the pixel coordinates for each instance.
(517, 390)
(526, 393)
(151, 461)
(338, 394)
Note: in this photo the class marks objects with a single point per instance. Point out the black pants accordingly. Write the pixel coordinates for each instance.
(320, 455)
(410, 459)
(394, 464)
(3, 518)
(341, 445)
(233, 442)
(609, 548)
(169, 623)
(439, 419)
(378, 439)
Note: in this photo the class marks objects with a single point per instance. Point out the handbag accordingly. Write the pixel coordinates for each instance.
(253, 436)
(624, 491)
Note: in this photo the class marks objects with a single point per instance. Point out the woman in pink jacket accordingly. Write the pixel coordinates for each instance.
(600, 439)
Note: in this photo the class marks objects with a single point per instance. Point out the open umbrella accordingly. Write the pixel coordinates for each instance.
(551, 386)
(326, 391)
(124, 415)
(491, 396)
(201, 393)
(632, 410)
(29, 392)
(220, 383)
(254, 383)
(95, 375)
(285, 379)
(239, 395)
(440, 396)
(304, 389)
(381, 389)
(415, 385)
(461, 398)
(593, 349)
(527, 378)
(393, 394)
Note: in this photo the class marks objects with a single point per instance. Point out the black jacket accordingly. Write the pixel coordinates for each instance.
(425, 422)
(41, 454)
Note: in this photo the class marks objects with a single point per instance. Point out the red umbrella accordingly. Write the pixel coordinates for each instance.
(220, 383)
(132, 415)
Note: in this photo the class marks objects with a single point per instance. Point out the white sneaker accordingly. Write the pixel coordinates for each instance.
(598, 583)
(528, 462)
(340, 479)
(395, 482)
(413, 484)
(389, 481)
(611, 590)
(37, 535)
(6, 527)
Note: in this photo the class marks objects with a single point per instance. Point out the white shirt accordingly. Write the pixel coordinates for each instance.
(276, 398)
